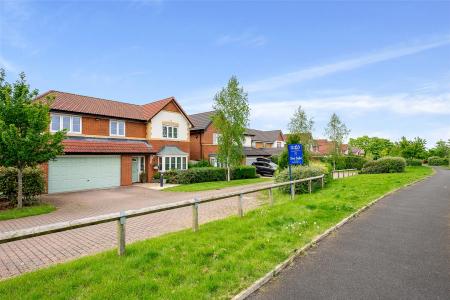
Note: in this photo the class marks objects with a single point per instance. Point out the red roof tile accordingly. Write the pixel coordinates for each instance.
(83, 146)
(96, 106)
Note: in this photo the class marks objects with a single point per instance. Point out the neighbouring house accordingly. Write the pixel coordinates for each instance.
(323, 147)
(204, 141)
(111, 143)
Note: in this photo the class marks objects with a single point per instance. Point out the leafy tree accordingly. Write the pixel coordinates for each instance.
(231, 119)
(442, 149)
(300, 123)
(283, 159)
(24, 137)
(410, 148)
(373, 146)
(336, 132)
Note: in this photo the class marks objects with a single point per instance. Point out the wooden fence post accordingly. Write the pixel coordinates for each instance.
(310, 186)
(240, 209)
(121, 234)
(323, 182)
(195, 215)
(292, 191)
(271, 196)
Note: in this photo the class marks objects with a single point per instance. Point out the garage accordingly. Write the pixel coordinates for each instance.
(81, 172)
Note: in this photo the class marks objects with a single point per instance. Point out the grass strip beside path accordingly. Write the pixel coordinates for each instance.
(218, 261)
(214, 185)
(15, 213)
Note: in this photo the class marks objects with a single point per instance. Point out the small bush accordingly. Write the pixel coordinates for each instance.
(157, 175)
(354, 162)
(385, 165)
(243, 172)
(200, 164)
(299, 172)
(33, 184)
(274, 159)
(413, 162)
(437, 161)
(143, 177)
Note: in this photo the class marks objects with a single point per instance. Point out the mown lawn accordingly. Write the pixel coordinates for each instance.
(214, 185)
(220, 260)
(15, 213)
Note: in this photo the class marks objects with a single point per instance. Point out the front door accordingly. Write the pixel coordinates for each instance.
(135, 169)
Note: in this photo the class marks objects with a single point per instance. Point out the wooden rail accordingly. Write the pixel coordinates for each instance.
(350, 172)
(120, 217)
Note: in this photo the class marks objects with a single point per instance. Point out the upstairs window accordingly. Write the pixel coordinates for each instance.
(216, 137)
(72, 124)
(116, 128)
(170, 132)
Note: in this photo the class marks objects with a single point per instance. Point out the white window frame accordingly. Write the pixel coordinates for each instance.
(172, 158)
(216, 137)
(117, 127)
(61, 117)
(171, 129)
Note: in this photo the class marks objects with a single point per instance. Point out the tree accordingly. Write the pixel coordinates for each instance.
(336, 132)
(300, 123)
(410, 149)
(373, 146)
(24, 137)
(231, 119)
(442, 149)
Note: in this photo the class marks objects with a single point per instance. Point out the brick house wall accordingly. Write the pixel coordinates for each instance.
(201, 144)
(125, 169)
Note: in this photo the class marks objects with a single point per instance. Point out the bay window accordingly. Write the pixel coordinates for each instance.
(167, 163)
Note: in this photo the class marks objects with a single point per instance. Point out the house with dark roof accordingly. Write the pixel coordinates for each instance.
(112, 143)
(257, 143)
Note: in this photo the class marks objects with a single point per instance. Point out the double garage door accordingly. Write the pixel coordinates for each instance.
(76, 173)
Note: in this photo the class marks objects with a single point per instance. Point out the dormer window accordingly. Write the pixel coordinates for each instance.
(116, 128)
(170, 132)
(72, 124)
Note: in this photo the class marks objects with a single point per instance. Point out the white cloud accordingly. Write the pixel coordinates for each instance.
(246, 38)
(341, 66)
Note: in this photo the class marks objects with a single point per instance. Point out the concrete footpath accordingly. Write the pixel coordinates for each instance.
(398, 249)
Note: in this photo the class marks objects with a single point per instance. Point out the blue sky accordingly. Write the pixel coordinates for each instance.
(383, 67)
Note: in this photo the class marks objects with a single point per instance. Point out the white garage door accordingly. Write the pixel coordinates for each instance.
(75, 173)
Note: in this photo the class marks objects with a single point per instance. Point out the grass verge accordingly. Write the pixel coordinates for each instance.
(220, 260)
(214, 185)
(15, 213)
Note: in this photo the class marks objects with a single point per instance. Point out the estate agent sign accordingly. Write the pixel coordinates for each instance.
(295, 153)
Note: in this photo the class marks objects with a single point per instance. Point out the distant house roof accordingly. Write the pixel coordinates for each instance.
(202, 120)
(70, 102)
(265, 135)
(249, 151)
(82, 145)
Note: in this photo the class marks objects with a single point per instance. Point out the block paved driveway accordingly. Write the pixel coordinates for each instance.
(31, 254)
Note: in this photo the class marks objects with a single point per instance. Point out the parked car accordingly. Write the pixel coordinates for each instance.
(267, 160)
(264, 168)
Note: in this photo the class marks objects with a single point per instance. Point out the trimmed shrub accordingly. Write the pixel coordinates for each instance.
(33, 184)
(156, 175)
(385, 165)
(243, 172)
(200, 164)
(299, 172)
(437, 161)
(195, 175)
(413, 162)
(143, 177)
(354, 162)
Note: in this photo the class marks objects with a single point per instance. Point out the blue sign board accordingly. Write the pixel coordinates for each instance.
(295, 152)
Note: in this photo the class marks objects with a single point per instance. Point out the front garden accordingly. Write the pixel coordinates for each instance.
(219, 260)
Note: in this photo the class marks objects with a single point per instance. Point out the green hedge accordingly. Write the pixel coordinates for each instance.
(354, 162)
(413, 162)
(33, 184)
(385, 165)
(206, 174)
(299, 172)
(200, 164)
(437, 161)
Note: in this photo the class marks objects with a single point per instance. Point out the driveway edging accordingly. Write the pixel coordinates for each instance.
(298, 252)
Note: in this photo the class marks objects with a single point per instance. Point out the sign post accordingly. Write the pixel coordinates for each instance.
(295, 154)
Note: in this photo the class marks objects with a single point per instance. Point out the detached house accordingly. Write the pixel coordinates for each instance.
(257, 143)
(111, 143)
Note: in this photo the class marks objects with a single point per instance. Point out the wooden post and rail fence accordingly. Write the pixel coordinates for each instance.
(348, 172)
(122, 216)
